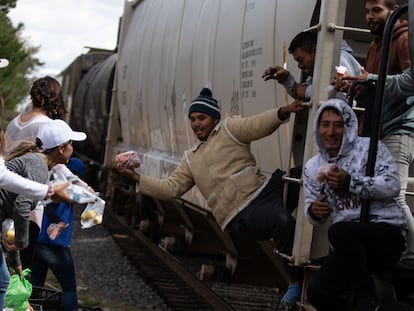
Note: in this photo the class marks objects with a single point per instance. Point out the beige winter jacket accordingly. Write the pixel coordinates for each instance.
(223, 168)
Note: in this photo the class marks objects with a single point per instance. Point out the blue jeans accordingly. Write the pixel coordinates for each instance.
(60, 261)
(4, 278)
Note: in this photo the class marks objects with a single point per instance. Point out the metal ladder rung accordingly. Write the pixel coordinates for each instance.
(291, 179)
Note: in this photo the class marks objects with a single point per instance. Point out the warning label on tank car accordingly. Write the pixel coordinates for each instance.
(248, 64)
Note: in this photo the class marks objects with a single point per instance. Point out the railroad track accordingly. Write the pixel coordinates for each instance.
(180, 288)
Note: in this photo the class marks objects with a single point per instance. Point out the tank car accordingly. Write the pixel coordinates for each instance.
(87, 88)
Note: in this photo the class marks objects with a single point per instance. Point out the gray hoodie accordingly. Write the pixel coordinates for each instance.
(18, 206)
(381, 190)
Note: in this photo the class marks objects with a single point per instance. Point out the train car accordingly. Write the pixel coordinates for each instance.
(87, 88)
(167, 52)
(71, 76)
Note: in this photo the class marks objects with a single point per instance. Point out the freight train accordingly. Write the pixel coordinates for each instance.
(136, 98)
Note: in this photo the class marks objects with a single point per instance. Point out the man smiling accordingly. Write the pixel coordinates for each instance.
(335, 186)
(221, 165)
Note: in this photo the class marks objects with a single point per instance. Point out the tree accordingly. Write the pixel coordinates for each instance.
(15, 79)
(6, 5)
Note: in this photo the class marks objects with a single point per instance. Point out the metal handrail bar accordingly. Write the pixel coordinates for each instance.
(379, 100)
(333, 27)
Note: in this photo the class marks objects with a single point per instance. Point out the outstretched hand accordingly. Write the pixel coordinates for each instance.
(295, 106)
(276, 73)
(60, 194)
(362, 76)
(343, 83)
(126, 171)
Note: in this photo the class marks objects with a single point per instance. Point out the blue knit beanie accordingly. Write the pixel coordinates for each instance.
(205, 103)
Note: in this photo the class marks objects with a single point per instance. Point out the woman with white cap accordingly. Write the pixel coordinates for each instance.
(33, 160)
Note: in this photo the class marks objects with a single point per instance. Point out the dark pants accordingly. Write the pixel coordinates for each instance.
(60, 261)
(266, 217)
(358, 249)
(26, 254)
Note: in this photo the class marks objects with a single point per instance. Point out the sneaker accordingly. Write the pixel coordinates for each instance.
(292, 295)
(55, 229)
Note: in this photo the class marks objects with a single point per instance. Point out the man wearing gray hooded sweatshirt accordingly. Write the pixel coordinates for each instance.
(335, 184)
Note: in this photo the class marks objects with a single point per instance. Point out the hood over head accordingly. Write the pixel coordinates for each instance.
(350, 126)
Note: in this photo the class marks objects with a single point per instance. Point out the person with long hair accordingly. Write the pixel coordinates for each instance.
(34, 160)
(47, 104)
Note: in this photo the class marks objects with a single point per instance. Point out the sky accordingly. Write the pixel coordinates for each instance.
(63, 28)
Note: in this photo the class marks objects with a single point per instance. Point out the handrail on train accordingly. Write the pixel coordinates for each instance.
(291, 179)
(332, 27)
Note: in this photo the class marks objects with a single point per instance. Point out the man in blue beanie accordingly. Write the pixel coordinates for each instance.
(205, 103)
(252, 203)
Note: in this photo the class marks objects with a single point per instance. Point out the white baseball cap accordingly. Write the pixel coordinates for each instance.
(4, 62)
(55, 133)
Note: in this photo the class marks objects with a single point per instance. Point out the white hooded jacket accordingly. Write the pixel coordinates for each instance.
(381, 190)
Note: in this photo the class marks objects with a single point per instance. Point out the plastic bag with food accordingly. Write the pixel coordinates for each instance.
(7, 228)
(93, 213)
(18, 292)
(80, 194)
(61, 173)
(128, 158)
(324, 170)
(341, 71)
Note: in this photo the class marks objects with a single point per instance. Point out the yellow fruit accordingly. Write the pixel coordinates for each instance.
(91, 214)
(88, 215)
(10, 237)
(98, 219)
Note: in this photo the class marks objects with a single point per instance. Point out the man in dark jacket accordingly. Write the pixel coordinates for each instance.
(376, 15)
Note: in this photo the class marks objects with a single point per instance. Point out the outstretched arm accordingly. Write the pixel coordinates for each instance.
(275, 73)
(295, 107)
